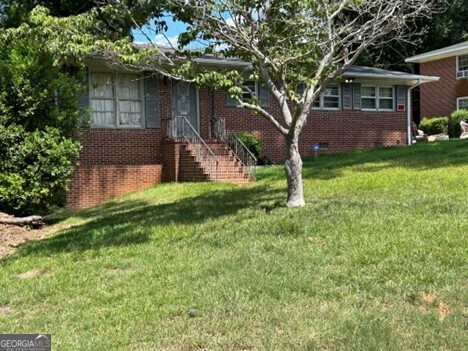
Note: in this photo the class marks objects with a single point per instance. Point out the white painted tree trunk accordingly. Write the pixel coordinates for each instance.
(293, 169)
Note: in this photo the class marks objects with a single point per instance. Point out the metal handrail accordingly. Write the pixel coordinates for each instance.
(179, 127)
(242, 153)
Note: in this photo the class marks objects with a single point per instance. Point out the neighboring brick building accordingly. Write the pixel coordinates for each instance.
(131, 143)
(451, 91)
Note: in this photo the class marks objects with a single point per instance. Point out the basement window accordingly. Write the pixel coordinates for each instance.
(323, 146)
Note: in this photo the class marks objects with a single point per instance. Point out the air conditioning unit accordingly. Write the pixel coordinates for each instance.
(462, 74)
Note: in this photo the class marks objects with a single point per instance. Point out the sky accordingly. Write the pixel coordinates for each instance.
(174, 29)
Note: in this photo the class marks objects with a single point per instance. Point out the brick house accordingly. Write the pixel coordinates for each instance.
(450, 93)
(147, 129)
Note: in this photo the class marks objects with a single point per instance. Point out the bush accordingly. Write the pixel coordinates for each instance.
(435, 125)
(39, 116)
(455, 118)
(252, 142)
(34, 169)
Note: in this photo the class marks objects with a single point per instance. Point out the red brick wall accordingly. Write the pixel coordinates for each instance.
(170, 151)
(120, 146)
(343, 130)
(92, 185)
(114, 161)
(440, 98)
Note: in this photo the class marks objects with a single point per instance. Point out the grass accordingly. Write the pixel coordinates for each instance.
(376, 260)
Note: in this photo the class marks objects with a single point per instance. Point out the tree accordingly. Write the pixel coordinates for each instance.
(39, 116)
(445, 29)
(290, 44)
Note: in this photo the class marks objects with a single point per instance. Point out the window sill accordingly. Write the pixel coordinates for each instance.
(112, 127)
(377, 110)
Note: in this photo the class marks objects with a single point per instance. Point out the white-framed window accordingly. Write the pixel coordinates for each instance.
(462, 66)
(250, 90)
(462, 103)
(377, 98)
(116, 99)
(329, 99)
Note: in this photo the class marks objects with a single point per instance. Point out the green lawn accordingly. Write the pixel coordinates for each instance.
(377, 260)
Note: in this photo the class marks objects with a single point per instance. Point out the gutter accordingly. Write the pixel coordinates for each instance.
(408, 112)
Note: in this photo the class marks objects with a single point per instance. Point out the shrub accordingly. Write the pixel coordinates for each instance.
(455, 118)
(34, 169)
(252, 142)
(39, 116)
(435, 125)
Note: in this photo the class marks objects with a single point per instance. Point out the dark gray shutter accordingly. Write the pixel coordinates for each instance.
(300, 88)
(152, 103)
(230, 101)
(401, 97)
(357, 104)
(347, 96)
(264, 96)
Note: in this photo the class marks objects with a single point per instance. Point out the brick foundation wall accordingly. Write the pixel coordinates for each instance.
(342, 130)
(92, 185)
(440, 98)
(120, 146)
(113, 162)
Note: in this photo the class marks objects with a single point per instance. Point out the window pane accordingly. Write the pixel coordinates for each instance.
(332, 90)
(386, 104)
(102, 112)
(368, 91)
(331, 102)
(102, 85)
(368, 103)
(130, 113)
(249, 90)
(128, 86)
(463, 63)
(317, 102)
(463, 104)
(386, 92)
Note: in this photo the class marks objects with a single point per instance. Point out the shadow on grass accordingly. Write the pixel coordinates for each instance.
(131, 222)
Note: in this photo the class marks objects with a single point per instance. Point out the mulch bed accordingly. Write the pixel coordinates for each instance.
(13, 236)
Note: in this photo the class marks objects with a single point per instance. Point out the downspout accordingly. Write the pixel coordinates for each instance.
(408, 114)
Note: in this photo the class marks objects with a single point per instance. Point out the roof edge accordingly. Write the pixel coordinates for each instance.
(438, 54)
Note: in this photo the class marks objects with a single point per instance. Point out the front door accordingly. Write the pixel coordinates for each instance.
(185, 102)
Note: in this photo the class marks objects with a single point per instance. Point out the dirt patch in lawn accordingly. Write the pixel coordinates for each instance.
(33, 273)
(443, 310)
(6, 309)
(13, 236)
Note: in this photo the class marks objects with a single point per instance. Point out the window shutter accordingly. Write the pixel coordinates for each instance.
(83, 97)
(401, 97)
(264, 96)
(230, 101)
(152, 102)
(347, 96)
(300, 88)
(357, 104)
